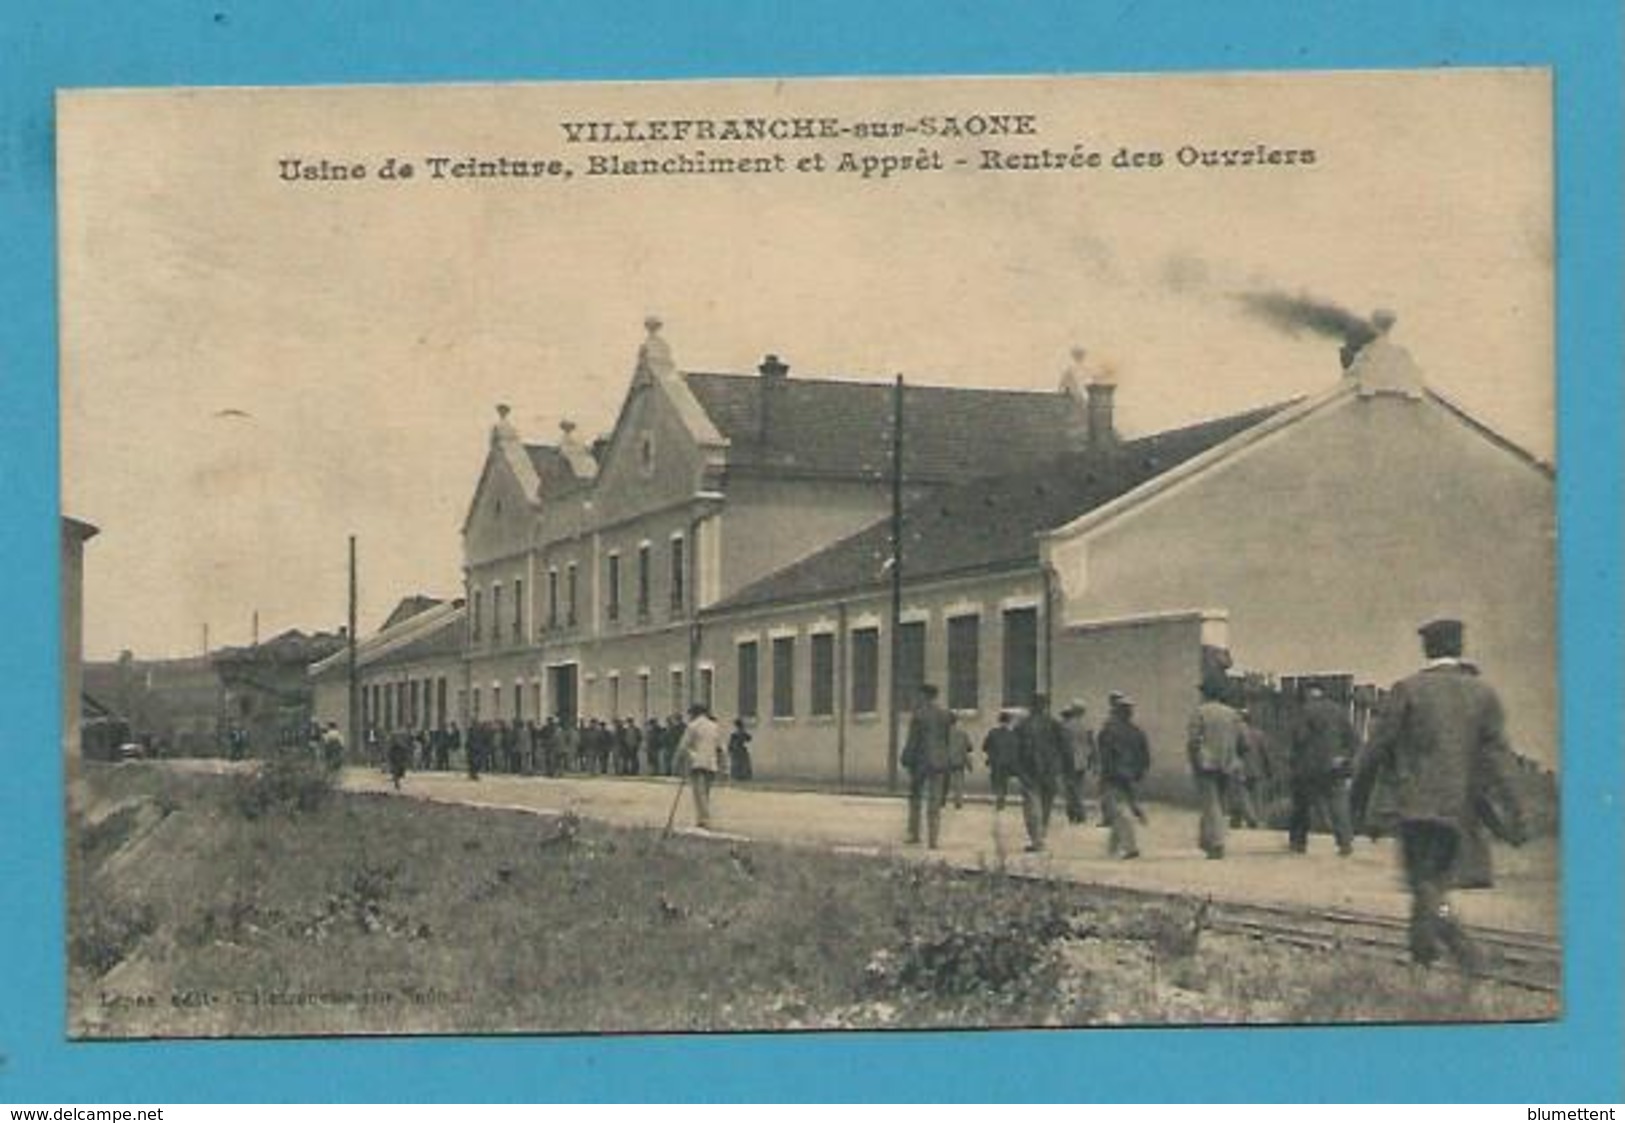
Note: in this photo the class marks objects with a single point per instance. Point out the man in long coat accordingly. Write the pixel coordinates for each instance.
(1440, 741)
(1323, 750)
(1041, 746)
(1125, 757)
(926, 757)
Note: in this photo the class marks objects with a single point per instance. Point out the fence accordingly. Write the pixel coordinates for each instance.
(1273, 704)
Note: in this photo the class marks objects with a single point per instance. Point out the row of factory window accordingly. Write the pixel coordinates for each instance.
(564, 595)
(409, 704)
(964, 687)
(423, 703)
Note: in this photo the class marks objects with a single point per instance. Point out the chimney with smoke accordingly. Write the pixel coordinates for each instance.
(1296, 314)
(775, 372)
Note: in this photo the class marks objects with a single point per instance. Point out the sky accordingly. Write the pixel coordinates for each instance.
(255, 369)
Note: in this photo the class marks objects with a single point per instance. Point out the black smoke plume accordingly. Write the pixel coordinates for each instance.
(1295, 314)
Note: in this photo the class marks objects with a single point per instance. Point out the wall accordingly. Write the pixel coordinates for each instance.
(1329, 542)
(72, 606)
(1154, 660)
(846, 746)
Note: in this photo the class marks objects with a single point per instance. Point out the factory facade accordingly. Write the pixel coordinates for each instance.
(730, 542)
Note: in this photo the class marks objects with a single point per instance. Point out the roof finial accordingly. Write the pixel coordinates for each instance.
(503, 431)
(654, 357)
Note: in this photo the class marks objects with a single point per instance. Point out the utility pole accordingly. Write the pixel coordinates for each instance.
(355, 691)
(893, 730)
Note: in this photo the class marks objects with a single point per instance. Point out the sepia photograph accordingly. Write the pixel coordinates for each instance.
(810, 555)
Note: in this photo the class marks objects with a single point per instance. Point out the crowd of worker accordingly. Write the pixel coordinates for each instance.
(1432, 766)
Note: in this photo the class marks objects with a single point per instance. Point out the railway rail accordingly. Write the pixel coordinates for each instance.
(1517, 959)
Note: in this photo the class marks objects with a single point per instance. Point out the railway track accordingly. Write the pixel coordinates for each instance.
(1516, 959)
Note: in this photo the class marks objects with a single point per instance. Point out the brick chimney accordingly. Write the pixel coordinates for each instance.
(1102, 431)
(775, 372)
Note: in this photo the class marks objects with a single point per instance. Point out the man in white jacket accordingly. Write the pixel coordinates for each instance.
(699, 752)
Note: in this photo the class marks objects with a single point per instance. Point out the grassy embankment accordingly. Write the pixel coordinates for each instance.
(216, 905)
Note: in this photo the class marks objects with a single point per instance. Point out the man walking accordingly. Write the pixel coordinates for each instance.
(925, 755)
(1077, 759)
(1440, 741)
(1125, 757)
(1213, 733)
(1249, 776)
(697, 754)
(959, 754)
(1039, 754)
(1001, 747)
(1322, 757)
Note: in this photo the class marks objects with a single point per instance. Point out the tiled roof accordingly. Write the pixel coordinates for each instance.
(410, 607)
(434, 632)
(551, 468)
(445, 640)
(292, 647)
(991, 523)
(821, 426)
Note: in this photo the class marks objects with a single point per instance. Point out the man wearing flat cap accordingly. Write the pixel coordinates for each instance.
(1439, 741)
(1125, 757)
(1323, 748)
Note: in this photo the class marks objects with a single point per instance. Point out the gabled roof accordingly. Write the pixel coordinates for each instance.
(992, 523)
(838, 428)
(1381, 369)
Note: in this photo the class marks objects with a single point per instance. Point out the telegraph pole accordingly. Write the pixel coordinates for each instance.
(896, 581)
(355, 692)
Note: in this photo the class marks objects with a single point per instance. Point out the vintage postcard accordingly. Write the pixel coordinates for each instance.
(810, 554)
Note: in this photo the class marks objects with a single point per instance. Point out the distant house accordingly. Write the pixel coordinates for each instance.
(265, 687)
(175, 701)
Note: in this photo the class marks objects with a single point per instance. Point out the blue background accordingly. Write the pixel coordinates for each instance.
(164, 42)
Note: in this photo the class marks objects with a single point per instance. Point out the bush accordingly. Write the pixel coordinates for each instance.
(965, 935)
(106, 931)
(290, 782)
